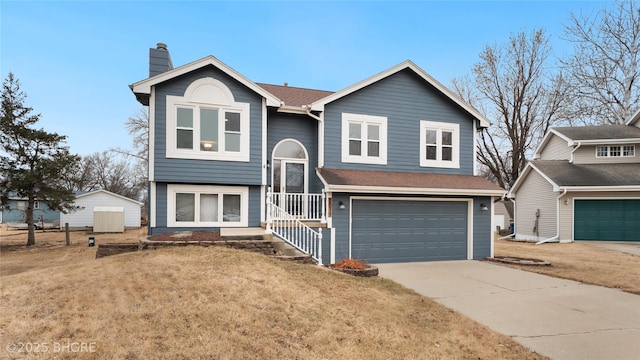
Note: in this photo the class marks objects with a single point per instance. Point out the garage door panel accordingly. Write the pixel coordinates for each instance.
(400, 231)
(609, 220)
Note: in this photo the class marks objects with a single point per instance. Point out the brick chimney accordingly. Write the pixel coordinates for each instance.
(159, 60)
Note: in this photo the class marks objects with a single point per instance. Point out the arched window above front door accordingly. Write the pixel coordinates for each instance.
(289, 149)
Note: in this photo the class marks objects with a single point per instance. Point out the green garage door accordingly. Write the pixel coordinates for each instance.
(612, 220)
(385, 231)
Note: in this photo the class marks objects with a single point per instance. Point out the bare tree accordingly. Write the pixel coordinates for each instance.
(604, 69)
(513, 87)
(138, 127)
(101, 170)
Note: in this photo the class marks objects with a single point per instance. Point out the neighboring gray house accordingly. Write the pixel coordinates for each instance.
(383, 169)
(583, 184)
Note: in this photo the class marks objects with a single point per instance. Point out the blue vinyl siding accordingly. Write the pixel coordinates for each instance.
(207, 171)
(341, 224)
(298, 127)
(482, 232)
(405, 99)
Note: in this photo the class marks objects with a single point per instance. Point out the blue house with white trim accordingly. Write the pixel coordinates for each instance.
(382, 170)
(14, 213)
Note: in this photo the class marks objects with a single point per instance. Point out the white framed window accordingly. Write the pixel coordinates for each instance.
(364, 139)
(629, 151)
(616, 151)
(206, 123)
(439, 144)
(36, 204)
(207, 206)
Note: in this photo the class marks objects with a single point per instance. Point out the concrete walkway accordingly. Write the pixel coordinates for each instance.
(558, 318)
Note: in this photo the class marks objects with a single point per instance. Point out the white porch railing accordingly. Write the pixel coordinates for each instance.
(302, 206)
(293, 231)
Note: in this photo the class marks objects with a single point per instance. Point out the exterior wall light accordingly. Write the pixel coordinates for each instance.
(341, 205)
(483, 207)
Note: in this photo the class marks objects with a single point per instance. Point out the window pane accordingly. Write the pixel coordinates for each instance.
(431, 152)
(373, 132)
(232, 121)
(208, 130)
(276, 175)
(185, 118)
(355, 131)
(185, 207)
(373, 148)
(629, 150)
(447, 153)
(231, 208)
(184, 139)
(294, 178)
(614, 151)
(209, 207)
(355, 147)
(431, 136)
(232, 142)
(447, 137)
(601, 151)
(290, 149)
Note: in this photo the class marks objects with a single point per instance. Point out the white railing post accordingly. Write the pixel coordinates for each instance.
(319, 256)
(269, 202)
(323, 207)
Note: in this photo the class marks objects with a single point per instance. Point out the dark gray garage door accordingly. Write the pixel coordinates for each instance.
(614, 220)
(402, 231)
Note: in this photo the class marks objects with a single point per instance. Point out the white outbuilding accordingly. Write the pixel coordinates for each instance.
(94, 205)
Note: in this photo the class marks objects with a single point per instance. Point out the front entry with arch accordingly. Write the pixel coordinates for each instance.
(290, 176)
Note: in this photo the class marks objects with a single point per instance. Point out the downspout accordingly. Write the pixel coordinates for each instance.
(513, 235)
(572, 151)
(556, 238)
(307, 108)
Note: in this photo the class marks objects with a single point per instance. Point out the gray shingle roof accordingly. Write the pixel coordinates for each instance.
(564, 174)
(608, 132)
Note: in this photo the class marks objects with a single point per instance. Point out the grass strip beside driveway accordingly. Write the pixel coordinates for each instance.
(578, 261)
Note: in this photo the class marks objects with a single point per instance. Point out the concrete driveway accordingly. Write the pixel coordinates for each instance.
(558, 318)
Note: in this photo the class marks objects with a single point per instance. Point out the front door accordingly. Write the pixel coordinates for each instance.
(289, 176)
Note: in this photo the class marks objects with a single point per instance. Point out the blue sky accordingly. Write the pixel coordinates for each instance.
(75, 59)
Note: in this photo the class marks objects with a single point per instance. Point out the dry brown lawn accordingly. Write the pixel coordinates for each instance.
(578, 261)
(215, 303)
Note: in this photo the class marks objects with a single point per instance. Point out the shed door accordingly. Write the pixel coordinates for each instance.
(385, 231)
(610, 220)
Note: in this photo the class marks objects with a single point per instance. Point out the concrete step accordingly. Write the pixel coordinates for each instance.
(252, 233)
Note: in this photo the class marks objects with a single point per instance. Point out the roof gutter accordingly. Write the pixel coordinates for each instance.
(411, 190)
(312, 115)
(557, 237)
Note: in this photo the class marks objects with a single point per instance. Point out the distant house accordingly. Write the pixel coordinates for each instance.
(383, 170)
(13, 213)
(583, 184)
(99, 199)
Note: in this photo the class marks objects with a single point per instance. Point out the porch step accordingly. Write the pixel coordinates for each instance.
(253, 233)
(284, 249)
